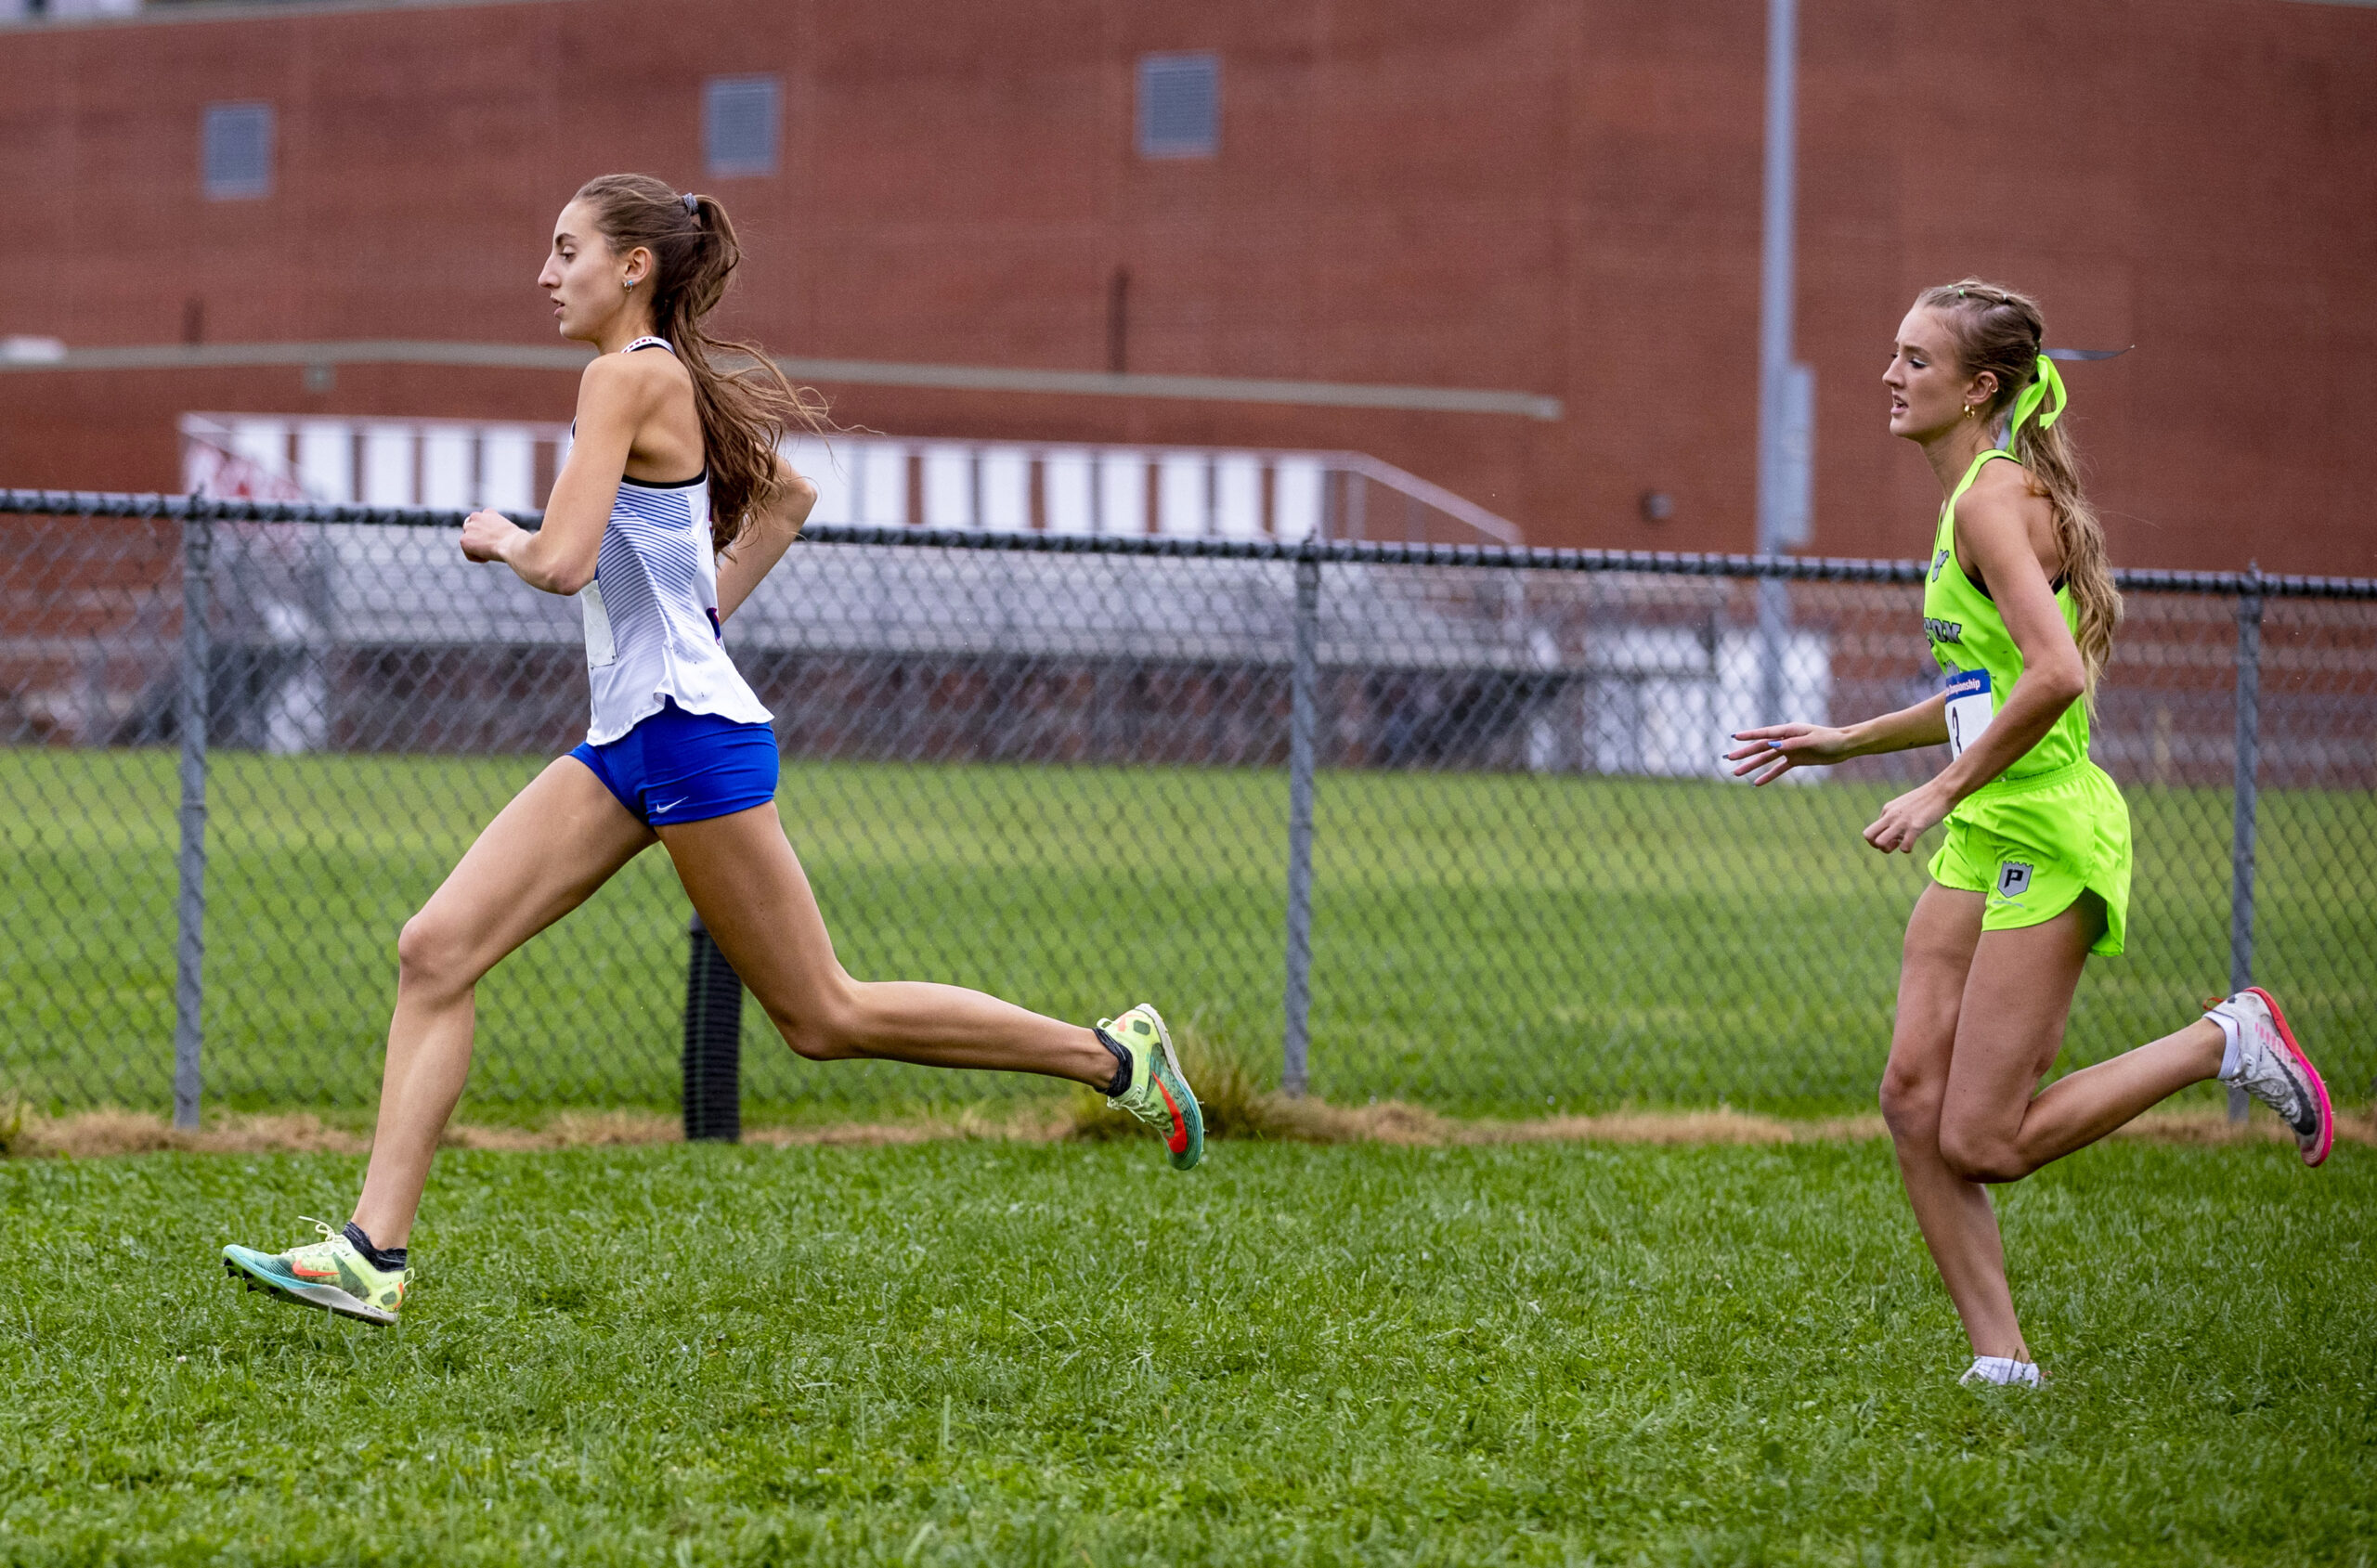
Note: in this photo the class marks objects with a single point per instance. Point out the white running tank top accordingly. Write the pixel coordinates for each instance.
(652, 626)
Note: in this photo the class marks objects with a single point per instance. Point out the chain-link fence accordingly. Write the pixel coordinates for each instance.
(1427, 822)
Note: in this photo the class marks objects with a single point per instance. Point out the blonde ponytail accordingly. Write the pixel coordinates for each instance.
(2053, 465)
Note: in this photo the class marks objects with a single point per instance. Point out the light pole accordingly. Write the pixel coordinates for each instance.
(1785, 388)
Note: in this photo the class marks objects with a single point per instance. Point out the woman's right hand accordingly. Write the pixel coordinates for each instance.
(486, 534)
(1773, 750)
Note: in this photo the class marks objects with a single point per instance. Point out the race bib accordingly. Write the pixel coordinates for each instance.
(1970, 708)
(600, 649)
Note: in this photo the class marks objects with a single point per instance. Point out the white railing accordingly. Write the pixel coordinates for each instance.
(1183, 492)
(372, 462)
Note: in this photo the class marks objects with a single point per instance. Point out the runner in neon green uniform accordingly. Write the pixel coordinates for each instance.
(2034, 876)
(2051, 827)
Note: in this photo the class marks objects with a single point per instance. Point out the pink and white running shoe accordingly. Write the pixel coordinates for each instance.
(2273, 1069)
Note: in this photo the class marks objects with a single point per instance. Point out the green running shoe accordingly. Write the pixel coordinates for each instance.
(329, 1272)
(1159, 1094)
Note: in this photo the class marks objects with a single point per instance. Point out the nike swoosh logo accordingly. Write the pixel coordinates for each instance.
(671, 805)
(1178, 1142)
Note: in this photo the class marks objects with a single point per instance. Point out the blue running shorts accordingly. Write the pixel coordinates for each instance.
(681, 766)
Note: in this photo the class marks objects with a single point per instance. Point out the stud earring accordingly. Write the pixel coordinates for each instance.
(1967, 407)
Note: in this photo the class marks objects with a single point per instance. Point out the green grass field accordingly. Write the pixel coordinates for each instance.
(988, 1352)
(1491, 944)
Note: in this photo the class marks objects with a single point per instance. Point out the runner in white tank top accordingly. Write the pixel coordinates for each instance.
(678, 753)
(653, 631)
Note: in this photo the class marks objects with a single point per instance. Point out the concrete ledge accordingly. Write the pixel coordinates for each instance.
(866, 372)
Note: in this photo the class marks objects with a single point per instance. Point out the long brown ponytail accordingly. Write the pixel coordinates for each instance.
(1995, 328)
(745, 409)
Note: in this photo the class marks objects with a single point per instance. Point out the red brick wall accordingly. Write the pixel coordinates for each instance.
(1549, 197)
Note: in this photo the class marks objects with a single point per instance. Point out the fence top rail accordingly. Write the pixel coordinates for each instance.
(1798, 568)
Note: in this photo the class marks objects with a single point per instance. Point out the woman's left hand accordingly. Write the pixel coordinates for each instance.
(487, 535)
(1908, 818)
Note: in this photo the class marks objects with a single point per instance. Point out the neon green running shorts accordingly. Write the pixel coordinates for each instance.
(2034, 845)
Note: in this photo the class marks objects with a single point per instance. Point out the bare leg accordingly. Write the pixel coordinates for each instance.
(743, 876)
(1982, 1015)
(557, 841)
(1953, 1213)
(2008, 1033)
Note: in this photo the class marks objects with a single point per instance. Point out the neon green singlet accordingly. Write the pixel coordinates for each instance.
(1978, 655)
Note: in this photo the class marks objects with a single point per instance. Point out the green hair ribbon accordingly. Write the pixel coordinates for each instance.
(2044, 397)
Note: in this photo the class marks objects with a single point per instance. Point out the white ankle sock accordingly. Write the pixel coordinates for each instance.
(2232, 1055)
(2002, 1370)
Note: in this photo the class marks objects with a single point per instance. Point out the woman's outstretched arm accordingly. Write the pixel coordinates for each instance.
(764, 540)
(1772, 750)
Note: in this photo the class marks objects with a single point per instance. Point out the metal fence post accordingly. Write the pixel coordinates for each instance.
(713, 1042)
(2240, 844)
(1304, 680)
(190, 905)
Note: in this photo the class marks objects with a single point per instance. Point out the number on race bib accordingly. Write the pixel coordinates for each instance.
(1970, 708)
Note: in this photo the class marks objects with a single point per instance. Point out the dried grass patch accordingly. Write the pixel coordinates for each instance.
(2214, 1127)
(1234, 1110)
(99, 1133)
(1031, 1127)
(571, 1129)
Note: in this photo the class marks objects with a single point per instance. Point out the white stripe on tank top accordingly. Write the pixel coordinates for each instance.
(652, 626)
